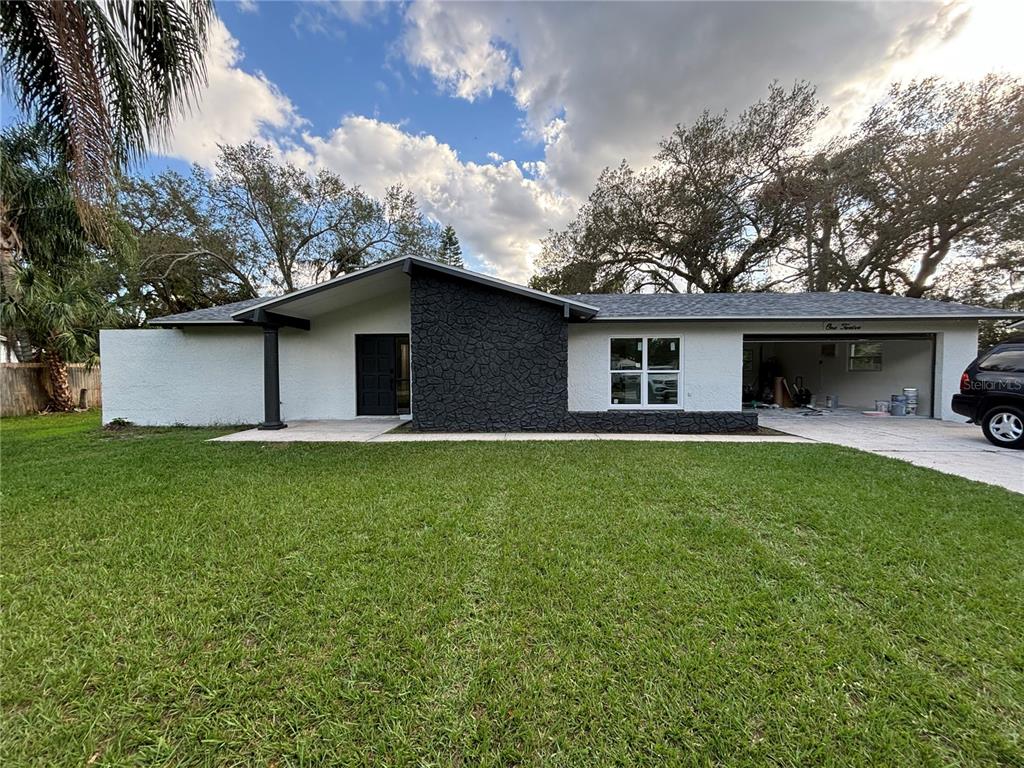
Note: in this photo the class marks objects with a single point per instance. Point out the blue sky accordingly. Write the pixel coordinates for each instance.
(356, 67)
(500, 116)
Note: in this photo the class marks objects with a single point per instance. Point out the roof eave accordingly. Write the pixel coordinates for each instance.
(792, 318)
(162, 321)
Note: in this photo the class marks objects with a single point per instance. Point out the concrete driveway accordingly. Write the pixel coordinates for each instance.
(956, 449)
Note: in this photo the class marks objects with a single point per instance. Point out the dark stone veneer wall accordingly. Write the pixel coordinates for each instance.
(660, 422)
(485, 360)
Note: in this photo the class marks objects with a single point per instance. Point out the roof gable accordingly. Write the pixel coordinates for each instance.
(242, 312)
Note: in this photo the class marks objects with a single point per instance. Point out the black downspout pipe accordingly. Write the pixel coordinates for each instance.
(271, 381)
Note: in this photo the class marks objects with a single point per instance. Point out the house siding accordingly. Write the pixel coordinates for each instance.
(712, 363)
(711, 378)
(484, 359)
(214, 375)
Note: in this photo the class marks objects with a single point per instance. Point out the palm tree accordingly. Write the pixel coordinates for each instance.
(61, 318)
(105, 77)
(49, 300)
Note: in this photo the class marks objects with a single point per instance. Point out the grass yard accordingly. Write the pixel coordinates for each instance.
(170, 601)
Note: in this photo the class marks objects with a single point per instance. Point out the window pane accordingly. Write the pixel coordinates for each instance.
(1004, 360)
(866, 349)
(625, 389)
(663, 354)
(627, 354)
(865, 363)
(663, 389)
(866, 356)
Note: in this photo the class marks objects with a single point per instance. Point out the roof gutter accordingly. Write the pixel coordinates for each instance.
(797, 318)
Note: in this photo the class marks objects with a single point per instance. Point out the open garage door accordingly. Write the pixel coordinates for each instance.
(851, 373)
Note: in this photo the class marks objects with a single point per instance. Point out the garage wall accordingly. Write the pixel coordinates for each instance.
(954, 351)
(956, 345)
(204, 376)
(905, 363)
(712, 363)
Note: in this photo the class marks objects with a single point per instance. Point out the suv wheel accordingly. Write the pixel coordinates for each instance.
(1004, 426)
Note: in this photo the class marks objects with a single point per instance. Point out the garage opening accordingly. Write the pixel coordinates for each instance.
(855, 375)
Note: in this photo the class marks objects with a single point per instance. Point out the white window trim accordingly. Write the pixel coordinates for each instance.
(643, 372)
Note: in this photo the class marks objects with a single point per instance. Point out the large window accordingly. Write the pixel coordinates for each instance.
(645, 371)
(865, 356)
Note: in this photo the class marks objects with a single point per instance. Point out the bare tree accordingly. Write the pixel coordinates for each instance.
(258, 224)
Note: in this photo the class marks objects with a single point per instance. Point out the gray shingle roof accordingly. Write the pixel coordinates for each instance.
(849, 305)
(210, 315)
(693, 306)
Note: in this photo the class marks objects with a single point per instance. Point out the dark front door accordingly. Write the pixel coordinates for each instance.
(378, 379)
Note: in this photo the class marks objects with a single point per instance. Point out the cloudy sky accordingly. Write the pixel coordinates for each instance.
(500, 116)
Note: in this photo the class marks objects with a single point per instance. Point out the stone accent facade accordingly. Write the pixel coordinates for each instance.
(660, 422)
(485, 360)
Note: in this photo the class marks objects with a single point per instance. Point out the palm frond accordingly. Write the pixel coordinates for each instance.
(106, 77)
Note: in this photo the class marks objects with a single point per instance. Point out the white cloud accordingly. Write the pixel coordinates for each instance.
(606, 82)
(457, 49)
(498, 211)
(332, 17)
(235, 107)
(248, 6)
(595, 85)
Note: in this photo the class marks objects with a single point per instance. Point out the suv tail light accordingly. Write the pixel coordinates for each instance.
(965, 382)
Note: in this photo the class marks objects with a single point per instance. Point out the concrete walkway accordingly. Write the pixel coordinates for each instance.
(956, 449)
(377, 429)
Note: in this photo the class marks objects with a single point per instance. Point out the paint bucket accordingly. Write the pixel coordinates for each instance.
(882, 406)
(898, 405)
(831, 401)
(911, 394)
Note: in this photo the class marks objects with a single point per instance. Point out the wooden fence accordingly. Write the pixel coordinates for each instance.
(25, 387)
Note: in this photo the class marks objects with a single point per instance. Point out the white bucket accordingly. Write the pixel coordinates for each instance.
(911, 394)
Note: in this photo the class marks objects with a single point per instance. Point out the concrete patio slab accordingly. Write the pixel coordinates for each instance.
(358, 430)
(956, 449)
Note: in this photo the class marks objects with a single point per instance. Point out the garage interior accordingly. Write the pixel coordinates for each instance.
(837, 374)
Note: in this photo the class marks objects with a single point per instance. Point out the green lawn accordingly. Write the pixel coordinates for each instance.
(171, 601)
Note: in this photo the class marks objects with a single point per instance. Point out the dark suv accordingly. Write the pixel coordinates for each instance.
(992, 393)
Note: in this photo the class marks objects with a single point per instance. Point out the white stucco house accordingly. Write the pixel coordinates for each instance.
(456, 350)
